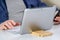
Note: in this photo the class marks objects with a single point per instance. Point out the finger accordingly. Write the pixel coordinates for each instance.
(7, 26)
(4, 28)
(17, 24)
(56, 21)
(57, 18)
(12, 22)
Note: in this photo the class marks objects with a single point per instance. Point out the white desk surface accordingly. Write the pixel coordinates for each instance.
(14, 35)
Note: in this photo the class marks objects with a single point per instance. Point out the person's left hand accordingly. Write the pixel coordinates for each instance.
(9, 24)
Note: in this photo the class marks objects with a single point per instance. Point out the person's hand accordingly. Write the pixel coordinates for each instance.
(57, 20)
(9, 24)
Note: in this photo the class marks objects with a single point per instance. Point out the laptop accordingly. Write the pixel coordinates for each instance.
(43, 17)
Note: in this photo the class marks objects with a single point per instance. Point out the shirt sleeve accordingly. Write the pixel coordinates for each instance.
(3, 11)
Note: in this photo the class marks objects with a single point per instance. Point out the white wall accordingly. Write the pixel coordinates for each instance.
(53, 2)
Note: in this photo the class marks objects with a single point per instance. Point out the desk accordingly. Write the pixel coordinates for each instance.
(14, 34)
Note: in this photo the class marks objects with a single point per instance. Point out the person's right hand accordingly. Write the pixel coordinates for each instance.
(9, 24)
(57, 20)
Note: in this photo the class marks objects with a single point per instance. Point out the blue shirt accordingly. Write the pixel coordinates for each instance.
(3, 11)
(34, 3)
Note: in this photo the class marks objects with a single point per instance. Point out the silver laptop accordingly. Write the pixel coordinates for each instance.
(43, 17)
